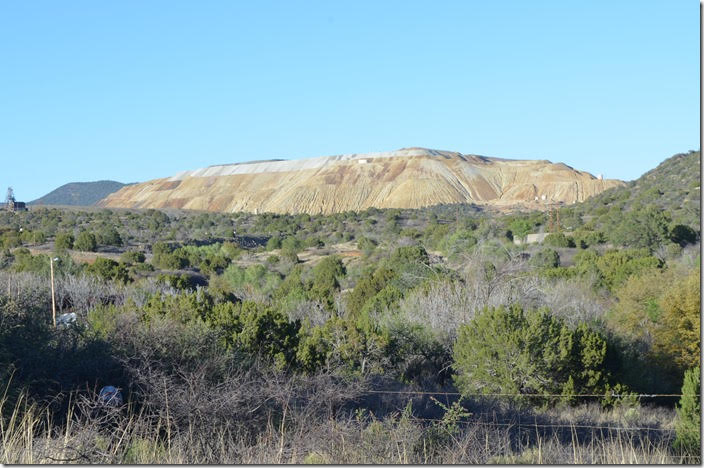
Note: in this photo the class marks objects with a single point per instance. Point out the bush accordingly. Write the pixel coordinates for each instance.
(584, 239)
(325, 280)
(289, 255)
(615, 266)
(532, 353)
(644, 228)
(86, 242)
(25, 261)
(38, 237)
(545, 258)
(558, 239)
(258, 329)
(679, 336)
(341, 342)
(412, 254)
(683, 235)
(520, 228)
(109, 270)
(366, 245)
(637, 312)
(181, 282)
(292, 244)
(63, 241)
(254, 278)
(273, 259)
(366, 288)
(168, 259)
(273, 243)
(109, 236)
(10, 240)
(133, 256)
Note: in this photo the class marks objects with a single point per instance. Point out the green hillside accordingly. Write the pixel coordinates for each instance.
(79, 193)
(672, 186)
(645, 212)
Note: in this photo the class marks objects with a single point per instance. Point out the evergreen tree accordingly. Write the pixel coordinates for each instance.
(689, 414)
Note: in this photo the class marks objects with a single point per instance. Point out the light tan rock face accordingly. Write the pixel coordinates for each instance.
(407, 178)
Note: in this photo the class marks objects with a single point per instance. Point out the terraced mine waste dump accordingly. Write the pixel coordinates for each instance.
(406, 178)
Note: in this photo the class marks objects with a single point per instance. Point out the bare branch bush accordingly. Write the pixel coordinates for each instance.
(25, 291)
(488, 281)
(310, 310)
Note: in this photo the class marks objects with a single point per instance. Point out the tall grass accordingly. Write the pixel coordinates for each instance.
(90, 434)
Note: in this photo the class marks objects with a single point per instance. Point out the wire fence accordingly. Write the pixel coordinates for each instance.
(537, 395)
(541, 425)
(480, 419)
(619, 430)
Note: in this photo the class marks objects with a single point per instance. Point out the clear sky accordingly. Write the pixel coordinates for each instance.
(135, 90)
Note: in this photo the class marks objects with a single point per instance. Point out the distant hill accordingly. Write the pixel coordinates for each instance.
(405, 178)
(673, 186)
(79, 193)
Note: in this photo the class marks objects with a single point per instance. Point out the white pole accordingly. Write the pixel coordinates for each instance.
(53, 300)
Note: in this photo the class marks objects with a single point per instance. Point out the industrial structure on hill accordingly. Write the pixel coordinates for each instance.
(11, 204)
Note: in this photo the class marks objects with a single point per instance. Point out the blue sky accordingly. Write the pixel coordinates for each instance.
(135, 90)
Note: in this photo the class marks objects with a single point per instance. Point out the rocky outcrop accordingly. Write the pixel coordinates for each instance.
(407, 178)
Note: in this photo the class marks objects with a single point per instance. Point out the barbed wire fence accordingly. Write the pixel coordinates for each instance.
(524, 424)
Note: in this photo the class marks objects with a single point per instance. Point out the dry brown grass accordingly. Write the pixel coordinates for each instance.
(91, 435)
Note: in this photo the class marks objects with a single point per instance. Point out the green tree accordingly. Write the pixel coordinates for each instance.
(289, 255)
(109, 270)
(637, 313)
(614, 267)
(10, 240)
(86, 242)
(38, 237)
(167, 258)
(341, 342)
(412, 254)
(109, 236)
(531, 353)
(292, 244)
(644, 228)
(558, 239)
(683, 235)
(366, 288)
(181, 282)
(687, 429)
(366, 245)
(133, 256)
(273, 243)
(325, 280)
(257, 329)
(63, 241)
(520, 228)
(679, 336)
(545, 258)
(584, 238)
(267, 331)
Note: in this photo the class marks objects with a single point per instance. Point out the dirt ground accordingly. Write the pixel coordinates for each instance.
(77, 255)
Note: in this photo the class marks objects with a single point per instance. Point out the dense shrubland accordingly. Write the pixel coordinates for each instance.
(376, 337)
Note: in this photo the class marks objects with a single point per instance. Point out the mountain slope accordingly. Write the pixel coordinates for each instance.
(673, 187)
(406, 178)
(79, 193)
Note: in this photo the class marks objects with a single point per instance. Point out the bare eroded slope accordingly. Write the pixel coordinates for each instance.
(407, 178)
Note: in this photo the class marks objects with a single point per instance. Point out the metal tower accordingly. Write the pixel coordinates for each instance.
(10, 199)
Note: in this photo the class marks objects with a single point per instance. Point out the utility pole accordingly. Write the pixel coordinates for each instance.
(53, 299)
